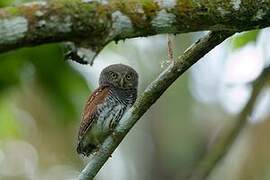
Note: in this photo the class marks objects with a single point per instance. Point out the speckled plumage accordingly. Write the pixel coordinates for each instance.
(105, 107)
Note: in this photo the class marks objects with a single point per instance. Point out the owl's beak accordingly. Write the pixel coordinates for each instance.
(122, 83)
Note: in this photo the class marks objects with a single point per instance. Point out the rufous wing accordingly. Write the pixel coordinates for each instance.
(90, 110)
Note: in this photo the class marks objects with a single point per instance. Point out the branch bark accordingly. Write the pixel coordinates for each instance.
(219, 150)
(95, 23)
(149, 97)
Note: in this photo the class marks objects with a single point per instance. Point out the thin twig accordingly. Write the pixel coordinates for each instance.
(219, 150)
(149, 97)
(170, 49)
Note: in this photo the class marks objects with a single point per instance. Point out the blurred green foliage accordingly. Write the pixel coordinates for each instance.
(5, 2)
(9, 128)
(41, 98)
(12, 2)
(244, 38)
(45, 68)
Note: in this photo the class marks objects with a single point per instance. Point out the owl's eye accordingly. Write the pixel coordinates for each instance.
(113, 75)
(128, 77)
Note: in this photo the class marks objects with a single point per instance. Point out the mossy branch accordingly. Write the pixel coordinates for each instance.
(95, 23)
(149, 97)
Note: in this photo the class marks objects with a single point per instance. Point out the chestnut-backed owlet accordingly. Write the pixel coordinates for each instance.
(116, 93)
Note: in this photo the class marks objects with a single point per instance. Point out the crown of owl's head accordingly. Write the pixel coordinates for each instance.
(119, 76)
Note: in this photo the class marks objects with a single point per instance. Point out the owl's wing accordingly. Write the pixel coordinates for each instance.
(90, 110)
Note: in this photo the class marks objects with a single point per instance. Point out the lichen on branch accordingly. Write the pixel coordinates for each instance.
(94, 23)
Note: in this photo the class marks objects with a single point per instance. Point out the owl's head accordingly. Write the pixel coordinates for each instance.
(119, 76)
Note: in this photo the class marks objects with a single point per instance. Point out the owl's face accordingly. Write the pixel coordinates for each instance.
(119, 76)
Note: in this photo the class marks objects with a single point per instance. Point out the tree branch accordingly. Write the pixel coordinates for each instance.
(94, 23)
(219, 150)
(149, 97)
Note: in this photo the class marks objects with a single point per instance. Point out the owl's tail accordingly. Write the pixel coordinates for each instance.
(85, 150)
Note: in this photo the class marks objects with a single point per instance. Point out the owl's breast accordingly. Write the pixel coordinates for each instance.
(109, 114)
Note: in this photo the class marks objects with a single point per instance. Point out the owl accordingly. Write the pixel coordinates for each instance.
(116, 93)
